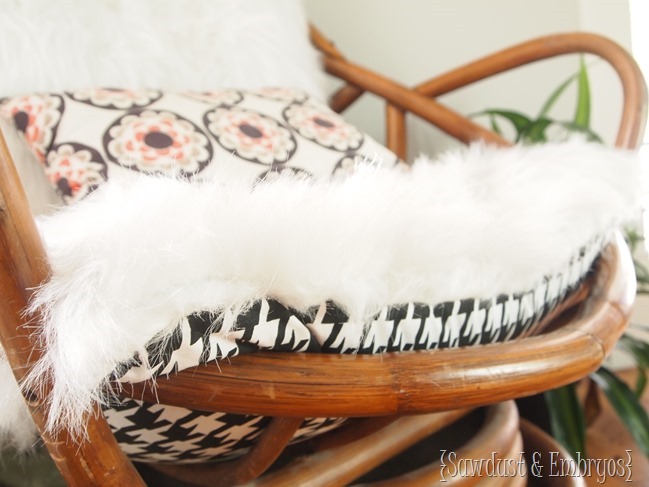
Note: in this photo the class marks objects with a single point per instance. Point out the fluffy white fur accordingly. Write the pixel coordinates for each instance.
(142, 252)
(170, 44)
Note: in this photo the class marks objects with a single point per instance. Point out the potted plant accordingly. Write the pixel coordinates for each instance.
(570, 412)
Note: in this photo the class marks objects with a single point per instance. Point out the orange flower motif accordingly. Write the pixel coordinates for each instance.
(250, 135)
(37, 117)
(323, 127)
(157, 141)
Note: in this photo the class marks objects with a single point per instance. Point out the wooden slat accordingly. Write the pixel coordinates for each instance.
(338, 466)
(498, 436)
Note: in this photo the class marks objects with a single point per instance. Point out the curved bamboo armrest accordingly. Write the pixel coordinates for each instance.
(418, 100)
(97, 461)
(634, 109)
(299, 384)
(360, 79)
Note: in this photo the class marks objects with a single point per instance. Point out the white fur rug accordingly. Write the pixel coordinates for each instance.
(133, 258)
(168, 44)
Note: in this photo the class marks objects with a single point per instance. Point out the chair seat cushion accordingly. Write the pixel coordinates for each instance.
(247, 238)
(268, 324)
(159, 433)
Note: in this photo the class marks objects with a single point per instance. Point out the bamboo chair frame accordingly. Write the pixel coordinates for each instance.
(290, 386)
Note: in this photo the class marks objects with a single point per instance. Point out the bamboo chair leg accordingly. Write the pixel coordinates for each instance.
(339, 466)
(268, 447)
(395, 125)
(537, 440)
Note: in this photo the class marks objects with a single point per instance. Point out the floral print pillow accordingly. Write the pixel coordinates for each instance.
(83, 137)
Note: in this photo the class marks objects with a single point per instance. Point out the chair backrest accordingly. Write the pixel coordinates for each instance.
(295, 385)
(421, 100)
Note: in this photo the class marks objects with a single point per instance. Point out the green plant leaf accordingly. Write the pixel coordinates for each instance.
(494, 125)
(567, 419)
(573, 127)
(626, 404)
(640, 352)
(641, 382)
(582, 112)
(535, 131)
(517, 119)
(547, 106)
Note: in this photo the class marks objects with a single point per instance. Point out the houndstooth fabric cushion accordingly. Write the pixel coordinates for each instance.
(153, 432)
(269, 325)
(160, 433)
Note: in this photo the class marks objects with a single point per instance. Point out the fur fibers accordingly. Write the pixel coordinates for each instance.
(168, 44)
(142, 252)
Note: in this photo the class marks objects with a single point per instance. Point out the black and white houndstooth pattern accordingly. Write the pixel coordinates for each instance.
(152, 432)
(161, 433)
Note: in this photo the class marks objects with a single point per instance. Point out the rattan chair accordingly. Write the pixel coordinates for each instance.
(402, 393)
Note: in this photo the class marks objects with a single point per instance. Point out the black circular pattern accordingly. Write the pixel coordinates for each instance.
(251, 135)
(115, 98)
(158, 142)
(21, 119)
(75, 169)
(250, 131)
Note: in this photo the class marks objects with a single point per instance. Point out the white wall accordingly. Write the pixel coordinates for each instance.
(413, 40)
